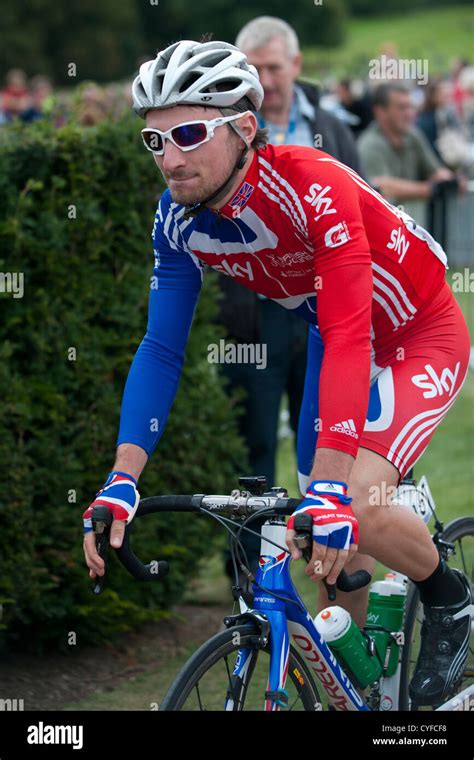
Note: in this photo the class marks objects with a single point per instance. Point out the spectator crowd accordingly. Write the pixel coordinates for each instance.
(442, 109)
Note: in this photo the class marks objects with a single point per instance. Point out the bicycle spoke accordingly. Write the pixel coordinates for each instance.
(199, 697)
(218, 683)
(297, 699)
(231, 685)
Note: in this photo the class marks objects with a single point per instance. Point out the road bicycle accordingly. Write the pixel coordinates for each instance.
(270, 655)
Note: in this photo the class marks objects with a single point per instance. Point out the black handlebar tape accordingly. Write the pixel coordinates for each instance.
(359, 579)
(345, 582)
(154, 504)
(180, 503)
(154, 571)
(101, 522)
(193, 503)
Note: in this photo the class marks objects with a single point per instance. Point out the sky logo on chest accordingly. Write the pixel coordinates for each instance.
(246, 233)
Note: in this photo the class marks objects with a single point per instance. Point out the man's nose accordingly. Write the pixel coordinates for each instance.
(266, 79)
(173, 157)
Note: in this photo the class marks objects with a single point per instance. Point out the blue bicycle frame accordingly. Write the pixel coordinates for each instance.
(291, 623)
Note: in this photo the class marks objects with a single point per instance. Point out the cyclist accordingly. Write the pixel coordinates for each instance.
(388, 349)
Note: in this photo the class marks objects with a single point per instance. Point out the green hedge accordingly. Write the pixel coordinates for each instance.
(86, 284)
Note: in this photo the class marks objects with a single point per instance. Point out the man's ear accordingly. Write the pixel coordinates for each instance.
(248, 127)
(297, 64)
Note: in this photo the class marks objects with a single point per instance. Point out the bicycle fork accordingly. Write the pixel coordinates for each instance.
(285, 617)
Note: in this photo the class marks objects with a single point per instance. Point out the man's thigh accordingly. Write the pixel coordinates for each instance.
(408, 401)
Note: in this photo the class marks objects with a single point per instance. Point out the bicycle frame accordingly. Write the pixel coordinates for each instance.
(278, 612)
(289, 624)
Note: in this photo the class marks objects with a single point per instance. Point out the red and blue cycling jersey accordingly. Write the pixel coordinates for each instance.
(306, 231)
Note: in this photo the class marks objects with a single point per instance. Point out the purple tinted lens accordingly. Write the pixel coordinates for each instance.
(153, 140)
(189, 134)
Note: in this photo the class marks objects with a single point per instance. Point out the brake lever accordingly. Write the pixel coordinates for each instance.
(101, 522)
(303, 540)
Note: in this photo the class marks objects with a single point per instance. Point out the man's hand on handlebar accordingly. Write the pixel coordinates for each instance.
(335, 529)
(120, 496)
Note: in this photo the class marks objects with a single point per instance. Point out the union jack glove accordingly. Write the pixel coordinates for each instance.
(334, 523)
(119, 494)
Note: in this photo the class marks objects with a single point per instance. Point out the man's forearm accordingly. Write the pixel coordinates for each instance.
(402, 189)
(331, 464)
(130, 459)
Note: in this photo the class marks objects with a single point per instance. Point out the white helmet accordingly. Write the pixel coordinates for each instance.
(188, 73)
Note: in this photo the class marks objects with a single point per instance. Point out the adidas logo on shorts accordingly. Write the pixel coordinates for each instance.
(346, 427)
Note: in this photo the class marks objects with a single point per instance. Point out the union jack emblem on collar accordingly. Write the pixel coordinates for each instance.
(242, 195)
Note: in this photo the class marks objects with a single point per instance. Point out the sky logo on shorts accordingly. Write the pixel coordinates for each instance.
(434, 385)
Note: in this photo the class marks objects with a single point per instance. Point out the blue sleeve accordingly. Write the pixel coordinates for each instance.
(156, 368)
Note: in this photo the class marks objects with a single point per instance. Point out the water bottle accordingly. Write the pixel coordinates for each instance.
(385, 611)
(349, 645)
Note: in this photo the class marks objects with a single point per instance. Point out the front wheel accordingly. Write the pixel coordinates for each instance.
(459, 532)
(206, 681)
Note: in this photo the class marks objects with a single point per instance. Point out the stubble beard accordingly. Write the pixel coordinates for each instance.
(204, 186)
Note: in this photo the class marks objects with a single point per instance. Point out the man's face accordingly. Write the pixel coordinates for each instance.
(277, 71)
(194, 175)
(399, 114)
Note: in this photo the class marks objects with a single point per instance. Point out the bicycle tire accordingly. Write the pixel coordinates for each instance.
(223, 644)
(456, 529)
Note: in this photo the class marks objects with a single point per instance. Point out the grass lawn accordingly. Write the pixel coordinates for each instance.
(140, 692)
(437, 35)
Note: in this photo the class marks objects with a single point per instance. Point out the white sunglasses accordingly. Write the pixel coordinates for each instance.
(186, 136)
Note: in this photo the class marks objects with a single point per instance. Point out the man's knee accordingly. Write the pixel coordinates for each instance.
(369, 505)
